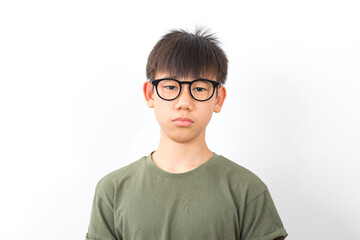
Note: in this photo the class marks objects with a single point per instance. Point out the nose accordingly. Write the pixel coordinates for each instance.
(184, 101)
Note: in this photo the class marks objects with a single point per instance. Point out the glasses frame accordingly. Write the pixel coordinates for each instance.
(214, 83)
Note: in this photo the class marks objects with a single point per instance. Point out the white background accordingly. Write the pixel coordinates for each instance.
(72, 108)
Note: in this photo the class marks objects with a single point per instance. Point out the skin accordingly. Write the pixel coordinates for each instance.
(182, 148)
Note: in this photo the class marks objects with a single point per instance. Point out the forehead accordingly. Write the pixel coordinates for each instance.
(159, 75)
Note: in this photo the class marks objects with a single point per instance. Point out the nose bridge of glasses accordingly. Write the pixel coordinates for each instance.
(185, 82)
(183, 88)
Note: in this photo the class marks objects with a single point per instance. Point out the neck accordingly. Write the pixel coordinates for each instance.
(177, 157)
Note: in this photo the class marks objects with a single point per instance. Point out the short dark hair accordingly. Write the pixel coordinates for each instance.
(184, 54)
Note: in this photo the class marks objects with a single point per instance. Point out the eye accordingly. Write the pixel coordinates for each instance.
(170, 87)
(199, 89)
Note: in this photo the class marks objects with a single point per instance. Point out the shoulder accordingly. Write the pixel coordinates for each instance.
(239, 178)
(236, 172)
(112, 181)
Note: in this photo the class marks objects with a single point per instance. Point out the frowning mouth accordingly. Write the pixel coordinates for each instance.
(183, 121)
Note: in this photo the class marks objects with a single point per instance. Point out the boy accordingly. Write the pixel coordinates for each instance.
(183, 190)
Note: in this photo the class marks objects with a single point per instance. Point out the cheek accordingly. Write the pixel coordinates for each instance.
(209, 115)
(206, 114)
(161, 113)
(158, 115)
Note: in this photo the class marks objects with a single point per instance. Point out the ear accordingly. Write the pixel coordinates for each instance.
(220, 99)
(148, 94)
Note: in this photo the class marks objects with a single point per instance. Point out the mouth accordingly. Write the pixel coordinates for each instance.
(183, 121)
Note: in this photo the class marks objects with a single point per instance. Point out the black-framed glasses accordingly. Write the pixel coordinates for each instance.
(170, 88)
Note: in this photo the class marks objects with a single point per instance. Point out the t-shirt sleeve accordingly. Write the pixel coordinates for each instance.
(261, 220)
(101, 225)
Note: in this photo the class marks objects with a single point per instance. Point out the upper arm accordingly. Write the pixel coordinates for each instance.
(261, 220)
(101, 221)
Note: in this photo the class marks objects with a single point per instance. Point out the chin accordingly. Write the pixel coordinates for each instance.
(182, 140)
(182, 137)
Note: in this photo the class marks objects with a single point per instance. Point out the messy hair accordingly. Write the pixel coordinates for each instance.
(184, 54)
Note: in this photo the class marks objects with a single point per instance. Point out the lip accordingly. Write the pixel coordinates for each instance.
(180, 121)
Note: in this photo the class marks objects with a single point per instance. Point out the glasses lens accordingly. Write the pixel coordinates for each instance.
(202, 90)
(168, 89)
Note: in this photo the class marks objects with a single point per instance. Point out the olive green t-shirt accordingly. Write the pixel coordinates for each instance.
(217, 200)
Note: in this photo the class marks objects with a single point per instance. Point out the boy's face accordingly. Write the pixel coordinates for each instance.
(183, 119)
